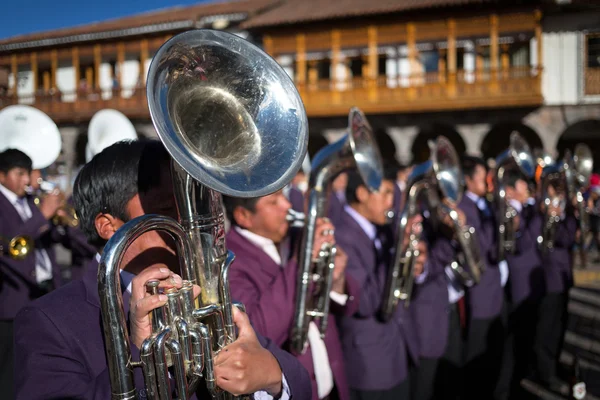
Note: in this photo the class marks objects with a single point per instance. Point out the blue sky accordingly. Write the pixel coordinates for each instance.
(42, 15)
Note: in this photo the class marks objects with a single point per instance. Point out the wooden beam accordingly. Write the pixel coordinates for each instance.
(97, 62)
(539, 38)
(53, 68)
(451, 88)
(143, 58)
(75, 62)
(120, 63)
(300, 59)
(15, 74)
(34, 71)
(494, 53)
(335, 60)
(505, 60)
(411, 42)
(268, 45)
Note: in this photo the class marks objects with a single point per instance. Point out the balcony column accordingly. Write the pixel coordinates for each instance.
(336, 96)
(313, 75)
(301, 62)
(97, 62)
(505, 60)
(15, 74)
(441, 65)
(538, 38)
(53, 68)
(494, 53)
(120, 64)
(75, 62)
(34, 72)
(411, 42)
(46, 82)
(373, 68)
(479, 72)
(451, 86)
(143, 58)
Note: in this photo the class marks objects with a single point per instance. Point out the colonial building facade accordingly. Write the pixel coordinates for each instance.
(473, 71)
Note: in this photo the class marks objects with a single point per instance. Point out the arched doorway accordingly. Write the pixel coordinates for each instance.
(498, 138)
(420, 148)
(386, 145)
(315, 143)
(588, 132)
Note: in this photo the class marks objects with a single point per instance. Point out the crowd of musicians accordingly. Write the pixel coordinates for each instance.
(358, 279)
(451, 341)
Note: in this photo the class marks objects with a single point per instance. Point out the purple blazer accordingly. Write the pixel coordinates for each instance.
(526, 277)
(269, 294)
(376, 353)
(59, 348)
(484, 300)
(558, 264)
(18, 285)
(296, 198)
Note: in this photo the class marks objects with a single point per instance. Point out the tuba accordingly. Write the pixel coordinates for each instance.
(233, 123)
(517, 156)
(356, 150)
(578, 176)
(34, 133)
(106, 128)
(440, 175)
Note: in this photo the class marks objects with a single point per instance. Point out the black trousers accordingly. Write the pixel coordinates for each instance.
(398, 392)
(518, 358)
(551, 326)
(484, 350)
(422, 380)
(6, 360)
(449, 372)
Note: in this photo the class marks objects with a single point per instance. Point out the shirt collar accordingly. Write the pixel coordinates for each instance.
(364, 223)
(126, 277)
(472, 196)
(9, 194)
(265, 244)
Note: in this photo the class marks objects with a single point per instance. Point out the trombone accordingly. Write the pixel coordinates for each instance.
(223, 108)
(356, 150)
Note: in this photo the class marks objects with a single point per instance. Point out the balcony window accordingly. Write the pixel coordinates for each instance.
(592, 65)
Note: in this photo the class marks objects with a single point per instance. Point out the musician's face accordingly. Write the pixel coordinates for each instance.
(521, 191)
(379, 202)
(476, 183)
(15, 180)
(269, 217)
(35, 177)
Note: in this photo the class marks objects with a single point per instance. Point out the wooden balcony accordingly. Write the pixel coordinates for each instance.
(515, 87)
(592, 82)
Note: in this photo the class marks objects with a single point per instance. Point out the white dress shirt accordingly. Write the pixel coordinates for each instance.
(483, 206)
(43, 266)
(127, 278)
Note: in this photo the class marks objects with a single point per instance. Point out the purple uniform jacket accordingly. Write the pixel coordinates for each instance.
(558, 263)
(269, 293)
(296, 199)
(59, 348)
(18, 284)
(376, 353)
(484, 300)
(526, 277)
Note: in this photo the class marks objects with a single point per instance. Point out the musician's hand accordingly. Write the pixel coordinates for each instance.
(462, 219)
(142, 302)
(244, 366)
(419, 265)
(51, 203)
(339, 271)
(324, 232)
(516, 222)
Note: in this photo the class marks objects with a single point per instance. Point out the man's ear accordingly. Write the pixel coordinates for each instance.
(243, 217)
(106, 225)
(362, 194)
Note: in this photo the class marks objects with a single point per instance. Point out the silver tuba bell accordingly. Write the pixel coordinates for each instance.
(356, 150)
(234, 124)
(438, 178)
(553, 181)
(517, 156)
(578, 176)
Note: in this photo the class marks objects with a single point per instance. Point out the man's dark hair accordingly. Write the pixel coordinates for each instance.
(355, 181)
(13, 158)
(112, 178)
(470, 163)
(231, 203)
(513, 176)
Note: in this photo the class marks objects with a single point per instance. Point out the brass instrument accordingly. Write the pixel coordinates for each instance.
(554, 193)
(517, 156)
(440, 175)
(578, 174)
(233, 123)
(107, 127)
(356, 150)
(17, 248)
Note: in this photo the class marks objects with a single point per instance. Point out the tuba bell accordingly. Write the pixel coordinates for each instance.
(578, 177)
(554, 192)
(356, 150)
(233, 123)
(438, 178)
(107, 127)
(517, 156)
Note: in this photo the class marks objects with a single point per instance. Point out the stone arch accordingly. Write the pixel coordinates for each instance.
(586, 131)
(420, 148)
(386, 145)
(498, 138)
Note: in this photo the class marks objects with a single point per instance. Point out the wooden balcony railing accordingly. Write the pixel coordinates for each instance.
(434, 91)
(592, 81)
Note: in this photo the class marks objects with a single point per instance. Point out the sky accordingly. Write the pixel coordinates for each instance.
(42, 15)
